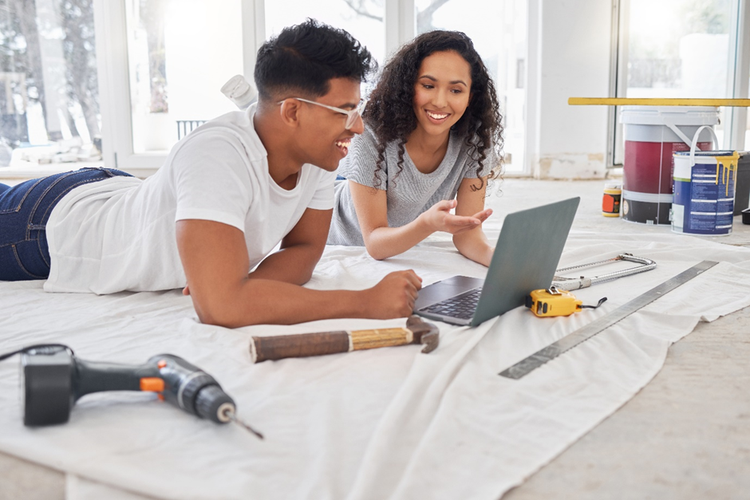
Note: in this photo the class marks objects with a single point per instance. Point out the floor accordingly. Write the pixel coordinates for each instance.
(685, 435)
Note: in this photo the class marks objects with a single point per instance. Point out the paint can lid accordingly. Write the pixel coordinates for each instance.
(663, 115)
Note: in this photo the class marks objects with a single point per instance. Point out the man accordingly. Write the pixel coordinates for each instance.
(227, 195)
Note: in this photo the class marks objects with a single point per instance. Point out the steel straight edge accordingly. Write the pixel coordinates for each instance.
(648, 101)
(555, 349)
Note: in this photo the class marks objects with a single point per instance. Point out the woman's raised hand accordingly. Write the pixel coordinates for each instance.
(439, 218)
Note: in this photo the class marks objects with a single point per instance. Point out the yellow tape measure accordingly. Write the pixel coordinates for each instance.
(555, 302)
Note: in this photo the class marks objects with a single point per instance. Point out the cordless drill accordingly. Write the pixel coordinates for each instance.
(53, 379)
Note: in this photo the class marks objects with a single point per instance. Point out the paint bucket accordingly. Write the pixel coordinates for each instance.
(704, 189)
(652, 135)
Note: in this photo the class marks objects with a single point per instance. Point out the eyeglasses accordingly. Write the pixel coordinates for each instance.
(351, 115)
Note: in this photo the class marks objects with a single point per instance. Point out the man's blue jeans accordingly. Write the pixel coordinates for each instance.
(24, 212)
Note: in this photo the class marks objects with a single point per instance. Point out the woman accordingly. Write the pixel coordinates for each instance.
(431, 141)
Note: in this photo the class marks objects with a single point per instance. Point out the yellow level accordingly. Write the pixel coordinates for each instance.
(648, 101)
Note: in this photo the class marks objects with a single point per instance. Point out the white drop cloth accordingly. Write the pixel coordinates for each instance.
(384, 423)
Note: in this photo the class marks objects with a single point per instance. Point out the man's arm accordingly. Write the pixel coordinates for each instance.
(300, 250)
(214, 257)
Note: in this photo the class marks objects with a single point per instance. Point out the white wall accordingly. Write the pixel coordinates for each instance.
(571, 39)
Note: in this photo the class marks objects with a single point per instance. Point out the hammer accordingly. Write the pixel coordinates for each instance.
(316, 344)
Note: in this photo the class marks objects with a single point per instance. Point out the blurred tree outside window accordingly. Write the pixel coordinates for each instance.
(152, 22)
(48, 81)
(180, 54)
(364, 19)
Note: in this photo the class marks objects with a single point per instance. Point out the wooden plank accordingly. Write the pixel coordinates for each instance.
(647, 101)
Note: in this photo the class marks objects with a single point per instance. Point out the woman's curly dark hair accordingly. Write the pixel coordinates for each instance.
(390, 109)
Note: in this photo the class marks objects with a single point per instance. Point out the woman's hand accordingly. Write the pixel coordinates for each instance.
(439, 218)
(383, 241)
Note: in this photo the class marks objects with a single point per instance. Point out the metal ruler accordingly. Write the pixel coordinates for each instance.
(531, 363)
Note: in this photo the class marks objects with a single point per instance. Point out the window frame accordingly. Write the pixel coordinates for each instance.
(740, 54)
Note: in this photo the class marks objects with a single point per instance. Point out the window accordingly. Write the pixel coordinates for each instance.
(162, 63)
(680, 48)
(49, 93)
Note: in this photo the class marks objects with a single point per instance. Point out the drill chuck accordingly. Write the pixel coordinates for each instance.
(214, 404)
(189, 387)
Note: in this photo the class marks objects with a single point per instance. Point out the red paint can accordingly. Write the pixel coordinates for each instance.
(652, 135)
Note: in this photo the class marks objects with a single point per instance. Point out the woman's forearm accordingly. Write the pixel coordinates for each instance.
(384, 242)
(474, 245)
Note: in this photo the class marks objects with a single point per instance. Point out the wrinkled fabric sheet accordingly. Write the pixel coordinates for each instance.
(384, 423)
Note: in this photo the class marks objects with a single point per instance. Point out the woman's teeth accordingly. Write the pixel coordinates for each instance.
(437, 116)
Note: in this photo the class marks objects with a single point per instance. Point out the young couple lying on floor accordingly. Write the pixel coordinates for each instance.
(209, 219)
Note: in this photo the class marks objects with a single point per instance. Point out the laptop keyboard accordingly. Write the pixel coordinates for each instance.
(461, 306)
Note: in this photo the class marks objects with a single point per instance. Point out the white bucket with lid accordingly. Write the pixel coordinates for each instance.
(704, 189)
(652, 135)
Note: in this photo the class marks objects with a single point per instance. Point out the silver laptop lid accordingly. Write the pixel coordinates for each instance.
(526, 256)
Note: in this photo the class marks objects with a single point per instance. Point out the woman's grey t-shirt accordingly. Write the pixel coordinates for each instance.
(408, 195)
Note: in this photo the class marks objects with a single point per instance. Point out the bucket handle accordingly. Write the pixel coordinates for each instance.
(676, 130)
(667, 120)
(694, 144)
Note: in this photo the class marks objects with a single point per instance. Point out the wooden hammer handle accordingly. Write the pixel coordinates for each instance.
(298, 346)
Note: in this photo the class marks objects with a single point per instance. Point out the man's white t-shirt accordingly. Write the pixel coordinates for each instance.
(119, 234)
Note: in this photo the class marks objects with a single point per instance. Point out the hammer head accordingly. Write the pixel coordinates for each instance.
(425, 333)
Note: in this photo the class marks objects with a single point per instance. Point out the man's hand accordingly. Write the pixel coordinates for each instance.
(393, 296)
(440, 218)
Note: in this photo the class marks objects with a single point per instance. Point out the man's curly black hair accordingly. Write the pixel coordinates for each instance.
(303, 59)
(390, 109)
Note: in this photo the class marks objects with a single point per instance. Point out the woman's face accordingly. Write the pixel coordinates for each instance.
(442, 91)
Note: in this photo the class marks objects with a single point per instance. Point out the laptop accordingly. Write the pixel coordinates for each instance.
(525, 259)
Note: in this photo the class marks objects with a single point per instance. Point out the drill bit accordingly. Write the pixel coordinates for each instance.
(229, 413)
